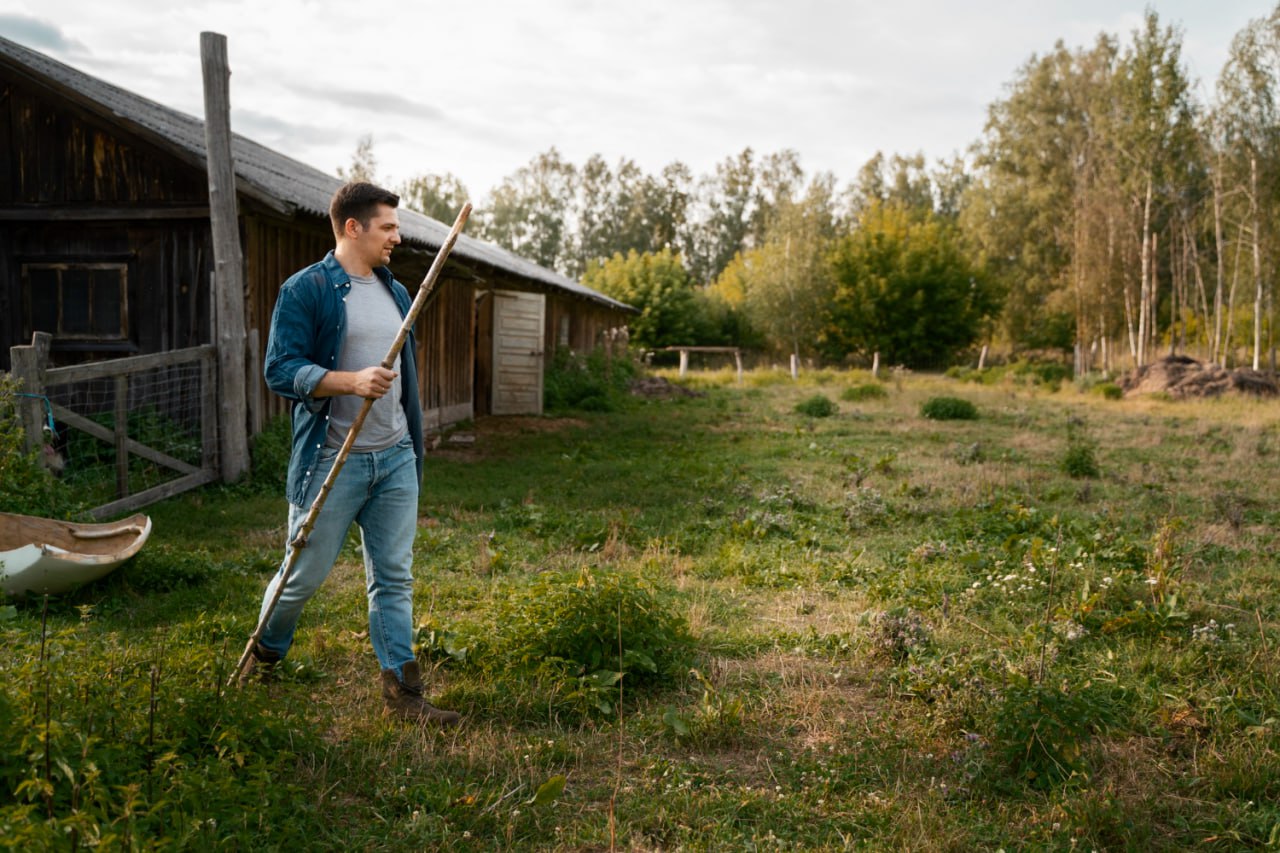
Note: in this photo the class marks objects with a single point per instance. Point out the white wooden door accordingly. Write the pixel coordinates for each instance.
(518, 320)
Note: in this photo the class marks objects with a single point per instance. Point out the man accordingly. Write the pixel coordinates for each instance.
(333, 324)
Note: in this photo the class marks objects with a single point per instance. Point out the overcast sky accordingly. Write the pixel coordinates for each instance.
(478, 88)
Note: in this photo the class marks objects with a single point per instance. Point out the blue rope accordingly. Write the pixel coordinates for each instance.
(48, 410)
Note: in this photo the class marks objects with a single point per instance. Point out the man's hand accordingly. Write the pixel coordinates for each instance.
(370, 383)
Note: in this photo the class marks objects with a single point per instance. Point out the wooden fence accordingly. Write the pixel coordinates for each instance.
(174, 392)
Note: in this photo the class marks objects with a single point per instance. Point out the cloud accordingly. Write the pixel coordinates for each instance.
(384, 103)
(269, 127)
(37, 34)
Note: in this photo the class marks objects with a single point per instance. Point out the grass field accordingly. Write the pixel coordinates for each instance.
(1052, 626)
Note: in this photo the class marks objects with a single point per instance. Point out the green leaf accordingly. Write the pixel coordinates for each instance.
(549, 791)
(675, 722)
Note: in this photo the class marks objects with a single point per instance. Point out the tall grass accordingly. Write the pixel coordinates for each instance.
(877, 639)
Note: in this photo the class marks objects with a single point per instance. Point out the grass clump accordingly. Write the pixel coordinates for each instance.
(948, 409)
(817, 406)
(582, 631)
(865, 391)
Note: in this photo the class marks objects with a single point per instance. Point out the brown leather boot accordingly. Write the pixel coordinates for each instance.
(403, 697)
(261, 666)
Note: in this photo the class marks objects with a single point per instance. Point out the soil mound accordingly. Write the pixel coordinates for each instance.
(658, 388)
(1183, 377)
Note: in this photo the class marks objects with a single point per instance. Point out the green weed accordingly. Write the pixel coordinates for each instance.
(948, 409)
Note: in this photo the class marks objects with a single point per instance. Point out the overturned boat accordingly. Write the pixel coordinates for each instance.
(42, 555)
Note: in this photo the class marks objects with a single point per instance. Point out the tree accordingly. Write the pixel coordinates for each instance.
(782, 287)
(623, 209)
(1250, 146)
(437, 196)
(530, 212)
(724, 209)
(1154, 134)
(905, 288)
(364, 165)
(672, 312)
(1041, 211)
(902, 181)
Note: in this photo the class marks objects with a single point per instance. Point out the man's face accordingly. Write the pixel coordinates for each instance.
(374, 244)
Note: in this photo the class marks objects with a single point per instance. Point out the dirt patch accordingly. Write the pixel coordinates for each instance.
(658, 388)
(486, 434)
(1182, 377)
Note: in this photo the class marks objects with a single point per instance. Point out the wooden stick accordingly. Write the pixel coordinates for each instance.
(308, 524)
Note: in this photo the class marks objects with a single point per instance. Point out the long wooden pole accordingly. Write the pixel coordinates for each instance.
(228, 261)
(308, 524)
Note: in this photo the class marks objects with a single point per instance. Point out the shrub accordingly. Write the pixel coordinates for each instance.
(26, 486)
(270, 451)
(589, 383)
(1040, 730)
(948, 409)
(866, 391)
(577, 626)
(817, 406)
(1109, 390)
(1080, 460)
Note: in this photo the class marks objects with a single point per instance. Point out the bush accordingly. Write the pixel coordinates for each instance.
(1080, 460)
(866, 391)
(26, 486)
(1109, 390)
(817, 406)
(1040, 730)
(948, 409)
(270, 451)
(588, 383)
(577, 626)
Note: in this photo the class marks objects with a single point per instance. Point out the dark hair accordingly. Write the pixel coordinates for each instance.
(358, 200)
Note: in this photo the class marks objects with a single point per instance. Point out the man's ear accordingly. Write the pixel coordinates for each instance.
(351, 228)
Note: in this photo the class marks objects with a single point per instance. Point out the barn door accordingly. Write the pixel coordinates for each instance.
(518, 320)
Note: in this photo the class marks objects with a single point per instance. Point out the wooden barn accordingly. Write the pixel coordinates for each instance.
(105, 243)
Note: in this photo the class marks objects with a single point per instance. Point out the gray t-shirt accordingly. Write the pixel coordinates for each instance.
(373, 321)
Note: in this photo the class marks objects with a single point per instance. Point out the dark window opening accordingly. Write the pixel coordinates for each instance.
(77, 301)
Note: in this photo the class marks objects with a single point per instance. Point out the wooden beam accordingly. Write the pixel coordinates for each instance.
(156, 493)
(98, 431)
(75, 213)
(131, 364)
(228, 262)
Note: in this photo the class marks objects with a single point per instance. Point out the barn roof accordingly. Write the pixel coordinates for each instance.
(263, 174)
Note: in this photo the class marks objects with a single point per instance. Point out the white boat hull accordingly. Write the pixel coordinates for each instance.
(60, 556)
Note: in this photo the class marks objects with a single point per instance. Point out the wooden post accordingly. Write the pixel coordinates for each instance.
(121, 433)
(795, 366)
(228, 264)
(737, 360)
(982, 357)
(28, 365)
(252, 370)
(875, 366)
(684, 362)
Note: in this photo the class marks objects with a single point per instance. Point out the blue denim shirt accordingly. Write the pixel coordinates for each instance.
(308, 328)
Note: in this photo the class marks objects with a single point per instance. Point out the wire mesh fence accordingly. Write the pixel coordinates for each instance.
(131, 431)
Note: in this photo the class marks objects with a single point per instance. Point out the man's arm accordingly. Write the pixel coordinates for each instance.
(370, 383)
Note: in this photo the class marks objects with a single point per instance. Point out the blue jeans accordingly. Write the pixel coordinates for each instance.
(379, 492)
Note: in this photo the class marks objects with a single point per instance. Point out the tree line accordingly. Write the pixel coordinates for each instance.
(1107, 212)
